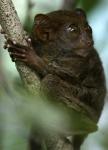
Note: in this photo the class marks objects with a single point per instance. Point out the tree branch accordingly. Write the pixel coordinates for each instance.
(11, 25)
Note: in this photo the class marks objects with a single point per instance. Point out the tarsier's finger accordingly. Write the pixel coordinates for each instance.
(17, 55)
(17, 50)
(19, 59)
(19, 46)
(6, 45)
(28, 39)
(13, 43)
(15, 58)
(10, 41)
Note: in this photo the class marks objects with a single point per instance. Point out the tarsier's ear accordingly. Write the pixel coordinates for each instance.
(42, 28)
(40, 18)
(80, 12)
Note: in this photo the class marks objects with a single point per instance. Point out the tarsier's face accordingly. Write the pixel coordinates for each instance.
(68, 29)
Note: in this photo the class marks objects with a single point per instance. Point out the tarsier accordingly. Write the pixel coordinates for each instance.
(62, 54)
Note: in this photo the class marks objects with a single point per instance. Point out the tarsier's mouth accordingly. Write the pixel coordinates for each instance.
(87, 44)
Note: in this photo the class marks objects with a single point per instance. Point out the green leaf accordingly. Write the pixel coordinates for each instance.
(88, 5)
(53, 118)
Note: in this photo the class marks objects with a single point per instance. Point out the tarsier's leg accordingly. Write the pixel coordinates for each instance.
(50, 85)
(55, 89)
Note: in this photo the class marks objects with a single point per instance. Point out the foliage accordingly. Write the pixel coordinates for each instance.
(88, 5)
(20, 111)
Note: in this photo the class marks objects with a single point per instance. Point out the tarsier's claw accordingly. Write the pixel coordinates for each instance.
(27, 37)
(29, 40)
(8, 46)
(14, 42)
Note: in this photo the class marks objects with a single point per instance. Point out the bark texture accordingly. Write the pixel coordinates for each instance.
(11, 25)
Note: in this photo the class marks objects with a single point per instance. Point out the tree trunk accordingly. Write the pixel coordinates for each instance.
(11, 25)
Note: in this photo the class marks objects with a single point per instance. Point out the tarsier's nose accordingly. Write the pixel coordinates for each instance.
(86, 39)
(89, 43)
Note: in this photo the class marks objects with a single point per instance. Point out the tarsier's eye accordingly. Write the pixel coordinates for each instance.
(72, 28)
(73, 31)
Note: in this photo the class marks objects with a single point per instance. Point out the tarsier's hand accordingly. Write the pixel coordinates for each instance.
(24, 54)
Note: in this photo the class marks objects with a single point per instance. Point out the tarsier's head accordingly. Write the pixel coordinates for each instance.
(69, 29)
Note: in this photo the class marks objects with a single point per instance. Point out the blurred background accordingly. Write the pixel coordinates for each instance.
(97, 13)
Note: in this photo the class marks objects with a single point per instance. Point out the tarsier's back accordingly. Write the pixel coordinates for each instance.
(74, 74)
